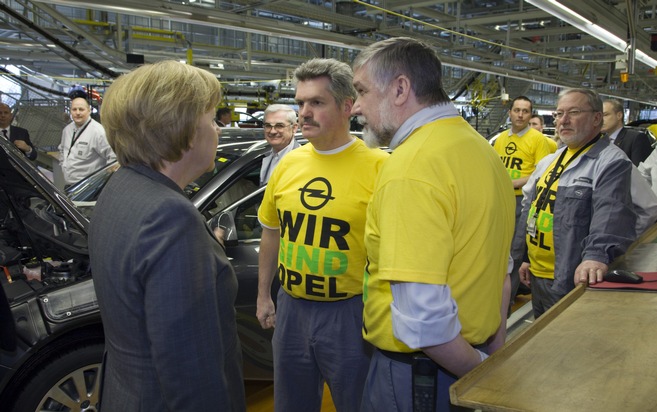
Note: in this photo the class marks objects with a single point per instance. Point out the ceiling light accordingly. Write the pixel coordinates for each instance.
(574, 19)
(641, 56)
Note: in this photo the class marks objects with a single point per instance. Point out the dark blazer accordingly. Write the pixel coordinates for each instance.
(166, 293)
(18, 133)
(636, 144)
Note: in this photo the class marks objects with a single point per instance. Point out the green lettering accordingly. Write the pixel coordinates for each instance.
(281, 250)
(303, 257)
(286, 255)
(532, 211)
(544, 223)
(335, 263)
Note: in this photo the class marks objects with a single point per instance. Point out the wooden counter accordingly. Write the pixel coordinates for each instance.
(596, 350)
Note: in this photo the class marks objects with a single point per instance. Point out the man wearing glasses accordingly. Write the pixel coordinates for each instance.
(577, 208)
(280, 126)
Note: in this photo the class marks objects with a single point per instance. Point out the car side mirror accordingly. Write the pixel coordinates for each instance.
(226, 221)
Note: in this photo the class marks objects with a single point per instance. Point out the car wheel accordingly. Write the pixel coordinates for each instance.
(69, 381)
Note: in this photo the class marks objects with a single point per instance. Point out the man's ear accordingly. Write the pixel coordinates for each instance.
(348, 104)
(401, 89)
(597, 119)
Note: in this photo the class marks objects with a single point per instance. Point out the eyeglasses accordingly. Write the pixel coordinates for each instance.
(571, 113)
(279, 127)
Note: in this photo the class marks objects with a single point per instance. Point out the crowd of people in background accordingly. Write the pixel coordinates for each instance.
(387, 259)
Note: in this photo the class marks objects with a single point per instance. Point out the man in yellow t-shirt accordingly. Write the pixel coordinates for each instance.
(313, 218)
(520, 148)
(438, 230)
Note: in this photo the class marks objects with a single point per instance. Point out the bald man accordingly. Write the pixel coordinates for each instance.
(84, 148)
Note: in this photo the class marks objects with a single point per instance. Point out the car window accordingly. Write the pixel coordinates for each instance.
(89, 189)
(221, 161)
(245, 184)
(86, 192)
(246, 217)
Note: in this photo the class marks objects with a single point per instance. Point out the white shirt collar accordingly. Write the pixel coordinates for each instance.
(420, 118)
(612, 136)
(520, 133)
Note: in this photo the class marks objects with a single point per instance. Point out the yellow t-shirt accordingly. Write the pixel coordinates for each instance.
(552, 144)
(520, 154)
(442, 213)
(319, 202)
(540, 248)
(653, 129)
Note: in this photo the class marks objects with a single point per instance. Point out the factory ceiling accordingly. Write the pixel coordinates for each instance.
(260, 42)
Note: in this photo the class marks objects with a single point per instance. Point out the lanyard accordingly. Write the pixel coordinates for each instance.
(556, 172)
(75, 138)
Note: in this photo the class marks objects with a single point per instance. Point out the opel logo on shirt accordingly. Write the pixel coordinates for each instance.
(511, 148)
(553, 174)
(316, 193)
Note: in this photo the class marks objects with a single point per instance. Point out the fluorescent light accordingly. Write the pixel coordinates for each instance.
(607, 37)
(574, 19)
(560, 8)
(641, 56)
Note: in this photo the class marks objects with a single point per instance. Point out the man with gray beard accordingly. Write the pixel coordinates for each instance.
(437, 234)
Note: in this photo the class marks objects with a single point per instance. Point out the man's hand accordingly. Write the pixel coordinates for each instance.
(266, 312)
(519, 183)
(219, 234)
(24, 147)
(590, 271)
(267, 266)
(524, 273)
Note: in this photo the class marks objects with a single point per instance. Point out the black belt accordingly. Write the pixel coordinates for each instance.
(407, 358)
(404, 357)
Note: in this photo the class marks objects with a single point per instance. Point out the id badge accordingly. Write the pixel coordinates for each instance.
(531, 226)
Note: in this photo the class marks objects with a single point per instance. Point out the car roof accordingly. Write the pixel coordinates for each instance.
(85, 192)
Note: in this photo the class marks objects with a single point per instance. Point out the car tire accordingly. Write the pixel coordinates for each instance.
(56, 384)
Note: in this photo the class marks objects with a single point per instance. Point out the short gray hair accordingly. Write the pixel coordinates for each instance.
(592, 97)
(340, 77)
(390, 58)
(291, 114)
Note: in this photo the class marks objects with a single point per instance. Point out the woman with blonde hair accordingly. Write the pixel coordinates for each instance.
(165, 287)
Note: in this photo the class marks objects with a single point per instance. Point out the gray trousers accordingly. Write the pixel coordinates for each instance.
(389, 387)
(543, 297)
(317, 342)
(517, 248)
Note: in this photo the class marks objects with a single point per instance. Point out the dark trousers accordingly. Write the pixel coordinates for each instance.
(543, 297)
(389, 387)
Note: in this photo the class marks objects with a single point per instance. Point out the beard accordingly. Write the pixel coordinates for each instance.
(378, 138)
(382, 135)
